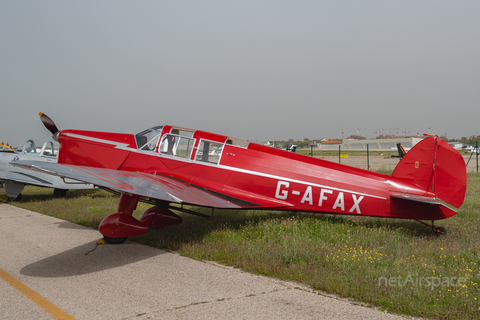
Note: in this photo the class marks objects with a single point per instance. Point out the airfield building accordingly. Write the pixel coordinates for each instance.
(379, 143)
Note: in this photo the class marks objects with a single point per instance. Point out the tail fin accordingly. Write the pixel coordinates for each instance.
(401, 150)
(437, 167)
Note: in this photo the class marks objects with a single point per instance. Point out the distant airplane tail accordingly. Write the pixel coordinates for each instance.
(293, 148)
(437, 167)
(401, 150)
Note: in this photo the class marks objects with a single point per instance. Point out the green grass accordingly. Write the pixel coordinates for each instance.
(355, 257)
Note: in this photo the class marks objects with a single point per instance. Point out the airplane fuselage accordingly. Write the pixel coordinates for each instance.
(250, 175)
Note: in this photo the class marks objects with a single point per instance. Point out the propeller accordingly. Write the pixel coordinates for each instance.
(50, 125)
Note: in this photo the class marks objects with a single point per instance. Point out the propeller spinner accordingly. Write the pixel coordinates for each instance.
(49, 124)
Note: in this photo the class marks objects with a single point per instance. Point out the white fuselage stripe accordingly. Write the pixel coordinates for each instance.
(267, 175)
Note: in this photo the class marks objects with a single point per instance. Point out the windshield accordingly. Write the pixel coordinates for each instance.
(147, 140)
(28, 147)
(48, 149)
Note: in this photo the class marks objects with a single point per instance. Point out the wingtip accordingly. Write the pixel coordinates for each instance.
(40, 114)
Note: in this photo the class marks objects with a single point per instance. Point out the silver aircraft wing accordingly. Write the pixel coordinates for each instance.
(151, 186)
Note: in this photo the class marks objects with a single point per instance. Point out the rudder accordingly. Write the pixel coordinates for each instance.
(437, 167)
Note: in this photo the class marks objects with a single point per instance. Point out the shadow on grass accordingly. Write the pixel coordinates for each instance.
(195, 229)
(71, 194)
(407, 227)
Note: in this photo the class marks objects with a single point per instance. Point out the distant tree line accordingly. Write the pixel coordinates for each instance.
(469, 141)
(306, 142)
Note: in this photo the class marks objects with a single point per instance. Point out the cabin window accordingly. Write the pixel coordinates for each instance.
(182, 132)
(48, 149)
(175, 145)
(237, 142)
(209, 151)
(147, 140)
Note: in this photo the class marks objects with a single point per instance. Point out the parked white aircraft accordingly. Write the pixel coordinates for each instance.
(14, 178)
(472, 149)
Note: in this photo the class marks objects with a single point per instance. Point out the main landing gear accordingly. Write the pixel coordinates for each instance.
(437, 230)
(16, 199)
(59, 193)
(115, 240)
(117, 227)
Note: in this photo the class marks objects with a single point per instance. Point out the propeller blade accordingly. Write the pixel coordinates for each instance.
(48, 123)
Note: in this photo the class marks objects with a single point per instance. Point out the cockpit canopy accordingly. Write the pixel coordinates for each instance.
(182, 142)
(29, 147)
(147, 140)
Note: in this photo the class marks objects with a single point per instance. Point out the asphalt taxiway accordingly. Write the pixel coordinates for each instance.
(48, 257)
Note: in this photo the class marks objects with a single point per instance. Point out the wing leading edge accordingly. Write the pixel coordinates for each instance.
(145, 185)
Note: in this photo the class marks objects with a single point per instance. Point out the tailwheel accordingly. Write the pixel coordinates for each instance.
(115, 240)
(439, 231)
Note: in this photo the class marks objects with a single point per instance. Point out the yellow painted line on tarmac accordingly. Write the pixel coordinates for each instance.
(40, 301)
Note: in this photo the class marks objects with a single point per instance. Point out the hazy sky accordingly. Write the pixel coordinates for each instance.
(257, 70)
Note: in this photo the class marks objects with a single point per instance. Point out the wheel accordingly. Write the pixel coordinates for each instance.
(59, 193)
(441, 230)
(114, 240)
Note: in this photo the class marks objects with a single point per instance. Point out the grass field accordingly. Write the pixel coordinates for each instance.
(397, 265)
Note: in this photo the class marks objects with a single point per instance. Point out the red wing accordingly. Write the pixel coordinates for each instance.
(142, 184)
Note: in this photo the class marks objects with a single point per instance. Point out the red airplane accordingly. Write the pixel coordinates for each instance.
(168, 165)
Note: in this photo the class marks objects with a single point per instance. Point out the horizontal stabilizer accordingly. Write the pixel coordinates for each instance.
(420, 199)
